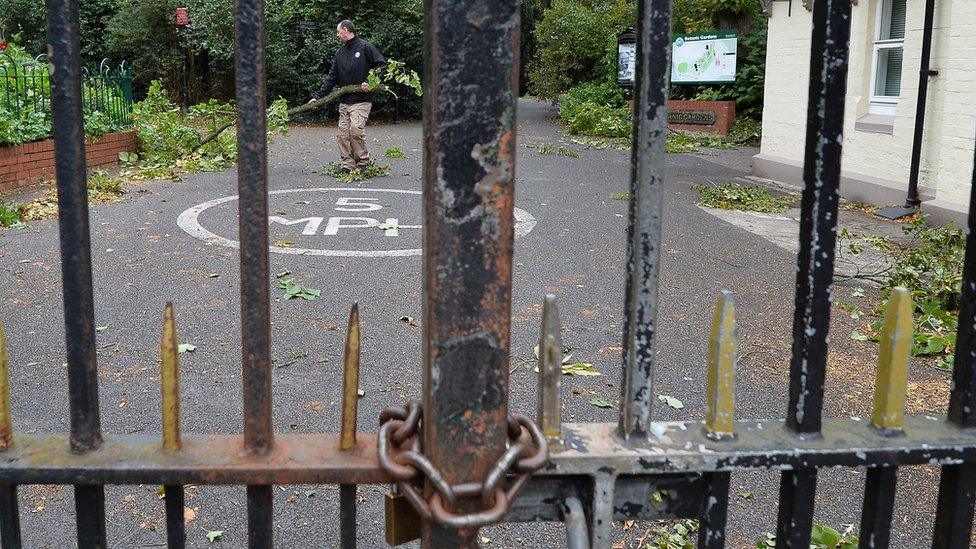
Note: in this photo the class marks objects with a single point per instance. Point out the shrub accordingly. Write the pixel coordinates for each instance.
(589, 118)
(577, 43)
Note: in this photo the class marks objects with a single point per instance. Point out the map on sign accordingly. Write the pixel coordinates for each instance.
(704, 58)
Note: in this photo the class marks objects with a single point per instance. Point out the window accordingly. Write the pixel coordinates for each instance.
(889, 51)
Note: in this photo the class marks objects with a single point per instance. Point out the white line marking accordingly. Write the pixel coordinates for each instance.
(189, 221)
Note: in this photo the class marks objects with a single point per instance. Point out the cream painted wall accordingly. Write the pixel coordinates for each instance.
(950, 129)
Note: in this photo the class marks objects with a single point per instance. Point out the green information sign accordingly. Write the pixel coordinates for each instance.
(704, 58)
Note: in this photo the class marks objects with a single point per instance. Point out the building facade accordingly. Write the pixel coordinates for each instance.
(882, 94)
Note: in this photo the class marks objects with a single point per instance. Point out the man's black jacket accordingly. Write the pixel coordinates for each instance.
(352, 63)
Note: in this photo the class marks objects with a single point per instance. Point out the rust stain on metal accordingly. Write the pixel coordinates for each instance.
(6, 428)
(204, 459)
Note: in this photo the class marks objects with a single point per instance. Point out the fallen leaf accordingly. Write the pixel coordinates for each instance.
(283, 274)
(584, 369)
(628, 524)
(186, 348)
(361, 392)
(486, 540)
(310, 493)
(601, 402)
(214, 535)
(671, 401)
(315, 406)
(214, 275)
(746, 495)
(101, 329)
(859, 336)
(410, 320)
(189, 515)
(284, 243)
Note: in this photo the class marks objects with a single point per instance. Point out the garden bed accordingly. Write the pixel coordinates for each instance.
(29, 163)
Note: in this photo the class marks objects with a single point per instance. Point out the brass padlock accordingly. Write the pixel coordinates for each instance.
(402, 520)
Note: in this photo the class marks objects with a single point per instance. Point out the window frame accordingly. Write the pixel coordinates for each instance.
(883, 104)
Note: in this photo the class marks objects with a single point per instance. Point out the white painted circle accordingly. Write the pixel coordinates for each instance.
(189, 221)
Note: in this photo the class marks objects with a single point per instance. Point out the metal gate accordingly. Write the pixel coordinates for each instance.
(460, 458)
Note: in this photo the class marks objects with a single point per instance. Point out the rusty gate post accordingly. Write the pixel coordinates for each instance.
(469, 171)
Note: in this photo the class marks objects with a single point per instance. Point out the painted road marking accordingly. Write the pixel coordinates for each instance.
(335, 226)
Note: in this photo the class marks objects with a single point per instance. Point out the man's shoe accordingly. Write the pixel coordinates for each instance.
(362, 167)
(344, 170)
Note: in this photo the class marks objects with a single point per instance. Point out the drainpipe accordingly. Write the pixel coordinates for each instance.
(912, 201)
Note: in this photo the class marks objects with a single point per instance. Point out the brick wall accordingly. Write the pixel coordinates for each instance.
(24, 165)
(724, 115)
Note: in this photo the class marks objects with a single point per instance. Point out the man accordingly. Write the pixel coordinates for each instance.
(352, 63)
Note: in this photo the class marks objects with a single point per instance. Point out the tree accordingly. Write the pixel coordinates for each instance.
(576, 43)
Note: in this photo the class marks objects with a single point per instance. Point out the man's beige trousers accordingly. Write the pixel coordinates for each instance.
(352, 134)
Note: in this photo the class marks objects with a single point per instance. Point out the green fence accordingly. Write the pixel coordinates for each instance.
(25, 98)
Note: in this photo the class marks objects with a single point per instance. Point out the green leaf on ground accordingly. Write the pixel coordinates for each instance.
(601, 402)
(294, 290)
(580, 369)
(101, 329)
(857, 336)
(214, 535)
(671, 401)
(186, 348)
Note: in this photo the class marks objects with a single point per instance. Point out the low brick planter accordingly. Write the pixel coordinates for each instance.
(701, 116)
(27, 164)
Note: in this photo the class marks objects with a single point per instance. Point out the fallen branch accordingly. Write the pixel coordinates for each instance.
(301, 109)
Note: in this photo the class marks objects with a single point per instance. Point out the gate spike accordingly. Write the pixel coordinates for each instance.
(893, 359)
(722, 358)
(350, 381)
(550, 370)
(6, 429)
(170, 377)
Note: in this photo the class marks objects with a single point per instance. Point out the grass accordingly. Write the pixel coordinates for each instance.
(733, 196)
(394, 152)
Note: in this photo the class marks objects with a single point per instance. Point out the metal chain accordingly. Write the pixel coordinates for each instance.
(401, 457)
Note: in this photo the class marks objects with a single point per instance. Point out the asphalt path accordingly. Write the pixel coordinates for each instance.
(573, 246)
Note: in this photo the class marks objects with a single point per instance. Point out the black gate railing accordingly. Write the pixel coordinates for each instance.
(460, 458)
